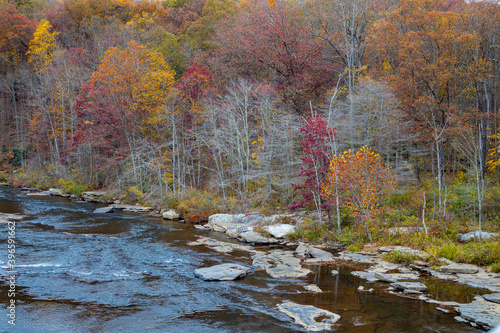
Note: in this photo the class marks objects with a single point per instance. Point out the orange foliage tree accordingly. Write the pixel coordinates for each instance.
(361, 181)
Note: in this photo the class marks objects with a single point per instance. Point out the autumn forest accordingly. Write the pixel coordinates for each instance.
(366, 113)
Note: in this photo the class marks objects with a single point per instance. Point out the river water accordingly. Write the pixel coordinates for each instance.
(85, 272)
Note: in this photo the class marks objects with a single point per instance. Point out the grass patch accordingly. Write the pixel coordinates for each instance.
(399, 257)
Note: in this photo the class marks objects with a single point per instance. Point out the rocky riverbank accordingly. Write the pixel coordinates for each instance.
(285, 259)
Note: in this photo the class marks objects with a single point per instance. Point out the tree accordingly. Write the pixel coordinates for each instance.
(272, 44)
(42, 46)
(129, 87)
(362, 182)
(426, 53)
(317, 149)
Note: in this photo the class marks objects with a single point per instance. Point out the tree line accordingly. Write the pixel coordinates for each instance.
(224, 96)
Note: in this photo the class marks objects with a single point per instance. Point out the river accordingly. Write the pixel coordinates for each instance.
(84, 272)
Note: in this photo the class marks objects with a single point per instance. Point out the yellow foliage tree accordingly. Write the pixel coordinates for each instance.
(42, 46)
(362, 182)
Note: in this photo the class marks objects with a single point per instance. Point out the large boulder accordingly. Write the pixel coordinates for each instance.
(484, 235)
(310, 317)
(280, 230)
(223, 272)
(256, 238)
(171, 214)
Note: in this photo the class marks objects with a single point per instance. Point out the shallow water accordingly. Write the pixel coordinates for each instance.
(85, 272)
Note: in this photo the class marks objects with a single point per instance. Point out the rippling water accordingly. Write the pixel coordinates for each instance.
(85, 272)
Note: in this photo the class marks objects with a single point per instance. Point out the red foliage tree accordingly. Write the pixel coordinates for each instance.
(318, 152)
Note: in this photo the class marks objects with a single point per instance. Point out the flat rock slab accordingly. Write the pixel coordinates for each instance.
(223, 272)
(311, 318)
(104, 210)
(356, 257)
(279, 264)
(484, 235)
(403, 249)
(415, 286)
(495, 298)
(491, 284)
(5, 217)
(480, 311)
(38, 194)
(368, 276)
(459, 268)
(280, 230)
(223, 247)
(256, 238)
(202, 227)
(130, 208)
(395, 277)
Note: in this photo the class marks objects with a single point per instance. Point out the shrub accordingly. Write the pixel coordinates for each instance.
(399, 257)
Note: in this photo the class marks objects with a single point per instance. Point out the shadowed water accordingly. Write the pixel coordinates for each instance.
(85, 272)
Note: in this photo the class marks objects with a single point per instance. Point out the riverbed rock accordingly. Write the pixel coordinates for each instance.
(56, 191)
(219, 246)
(395, 277)
(38, 194)
(403, 249)
(459, 268)
(416, 286)
(491, 284)
(279, 264)
(314, 252)
(223, 272)
(311, 318)
(171, 214)
(484, 235)
(313, 288)
(482, 312)
(279, 230)
(369, 277)
(334, 272)
(132, 209)
(104, 210)
(495, 298)
(256, 238)
(202, 227)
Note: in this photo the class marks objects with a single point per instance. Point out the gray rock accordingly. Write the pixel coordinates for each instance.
(301, 250)
(483, 313)
(405, 230)
(459, 268)
(495, 298)
(310, 317)
(104, 210)
(334, 272)
(223, 247)
(224, 272)
(395, 277)
(279, 264)
(313, 288)
(202, 227)
(416, 286)
(38, 194)
(171, 214)
(222, 221)
(319, 254)
(55, 191)
(255, 237)
(484, 235)
(132, 209)
(369, 277)
(461, 320)
(279, 230)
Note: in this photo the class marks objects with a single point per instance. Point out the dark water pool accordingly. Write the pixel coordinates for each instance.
(85, 272)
